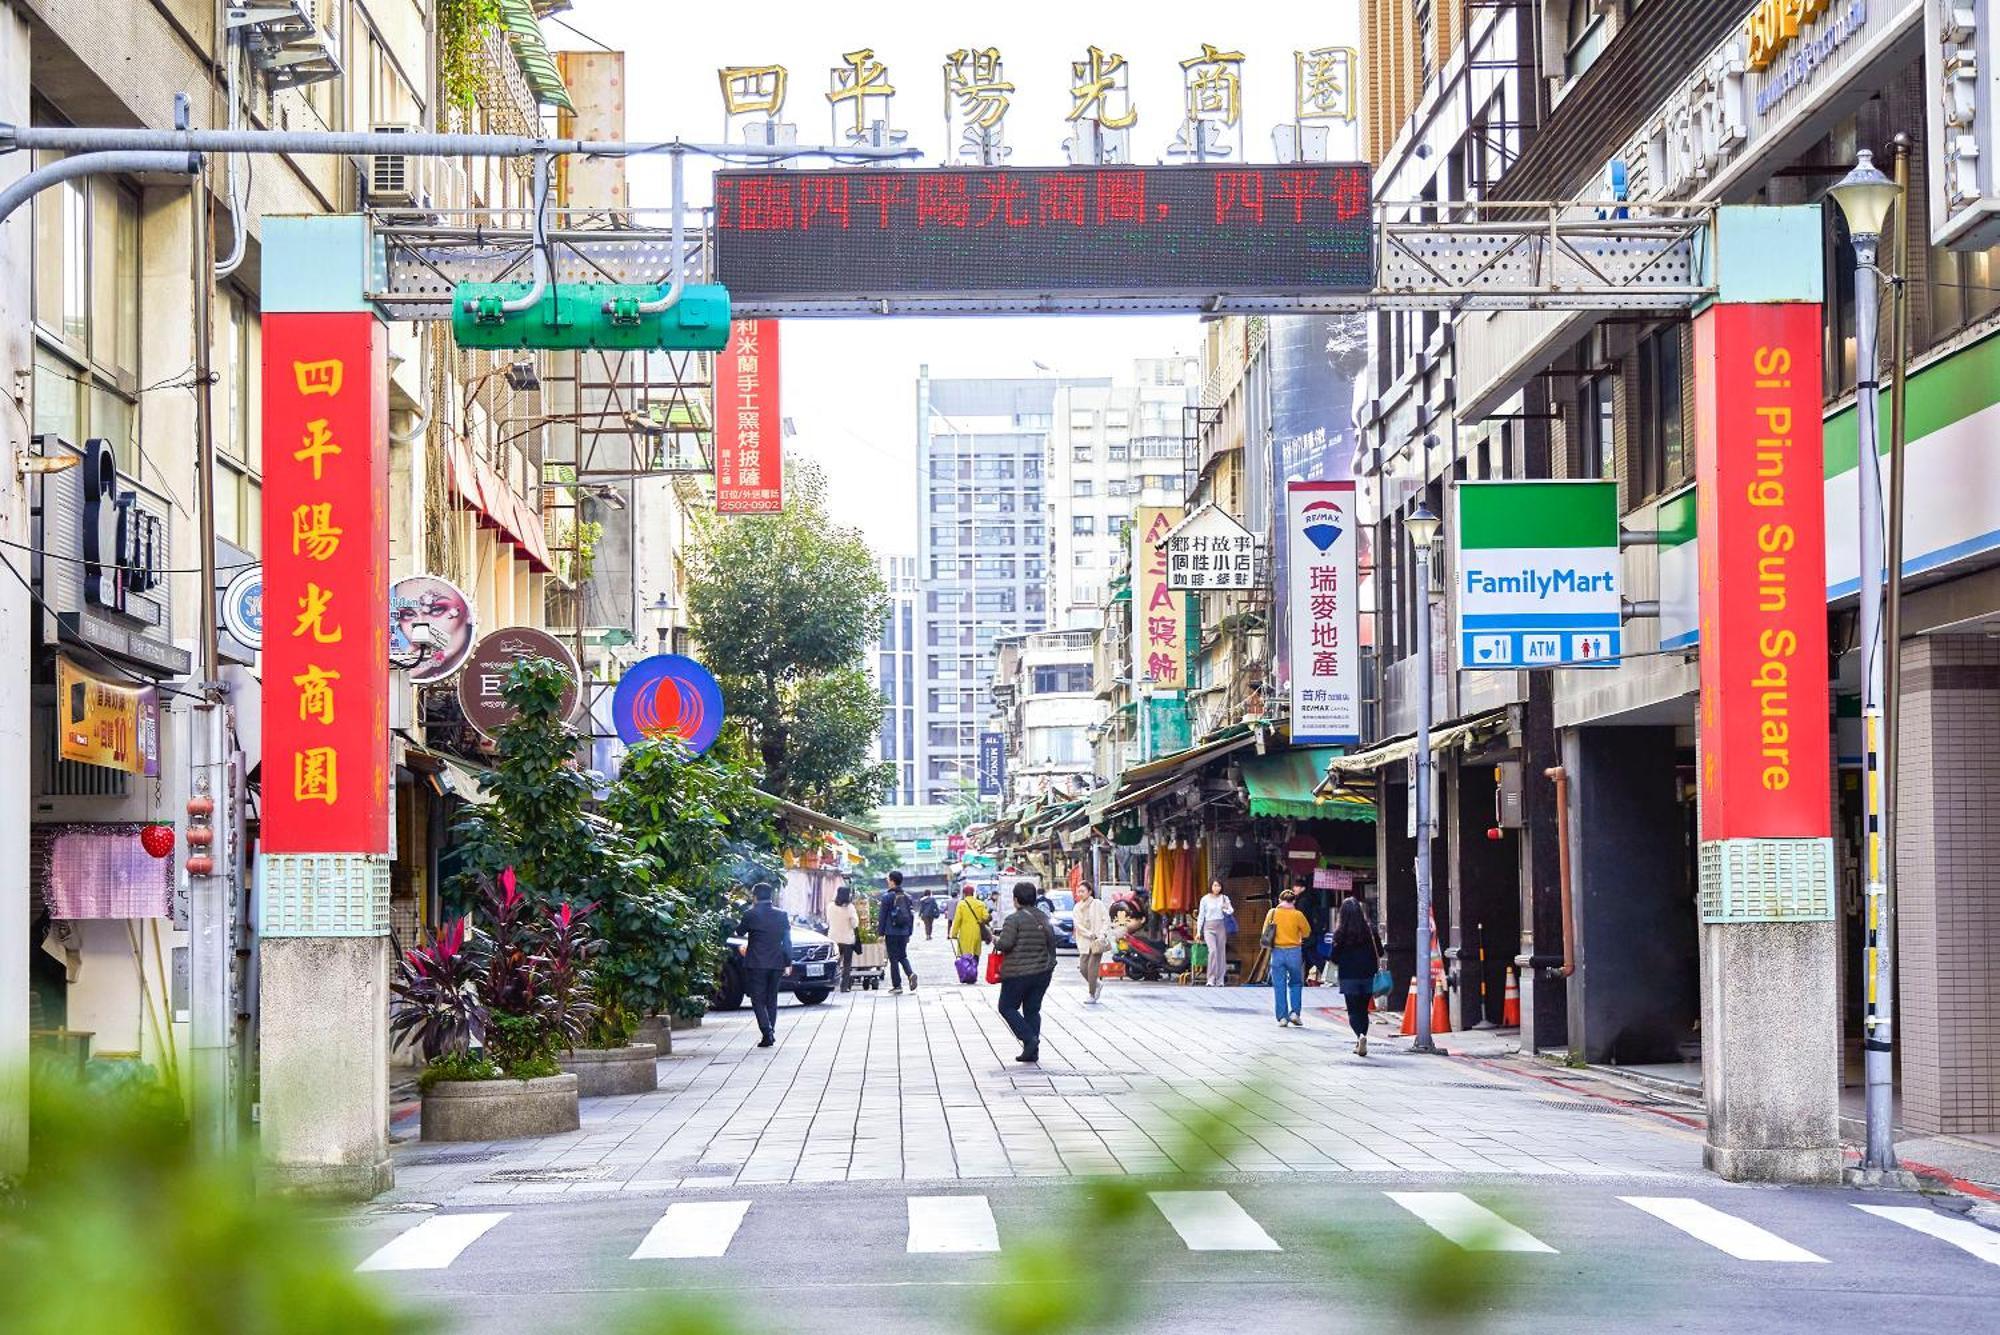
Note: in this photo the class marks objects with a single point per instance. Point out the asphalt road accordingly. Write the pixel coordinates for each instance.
(1310, 1252)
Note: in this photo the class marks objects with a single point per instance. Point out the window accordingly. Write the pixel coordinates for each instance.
(1057, 746)
(1592, 427)
(1120, 451)
(994, 567)
(1117, 486)
(943, 500)
(995, 470)
(1060, 678)
(1084, 558)
(1081, 487)
(1587, 32)
(86, 307)
(1660, 454)
(1083, 526)
(1080, 453)
(1036, 598)
(948, 602)
(994, 600)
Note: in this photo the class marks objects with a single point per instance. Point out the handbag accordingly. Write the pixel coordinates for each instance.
(1229, 923)
(993, 966)
(1384, 984)
(968, 968)
(1268, 938)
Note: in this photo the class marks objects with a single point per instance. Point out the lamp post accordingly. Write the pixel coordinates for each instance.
(1865, 197)
(662, 609)
(1423, 527)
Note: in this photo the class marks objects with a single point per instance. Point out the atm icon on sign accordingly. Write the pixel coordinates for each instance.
(1541, 648)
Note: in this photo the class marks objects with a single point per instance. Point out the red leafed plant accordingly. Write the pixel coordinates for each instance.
(436, 989)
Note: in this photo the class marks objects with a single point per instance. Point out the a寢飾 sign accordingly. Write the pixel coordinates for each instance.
(326, 584)
(992, 764)
(481, 684)
(106, 723)
(749, 431)
(243, 607)
(789, 237)
(1211, 550)
(1538, 575)
(1761, 534)
(1159, 615)
(1325, 612)
(668, 695)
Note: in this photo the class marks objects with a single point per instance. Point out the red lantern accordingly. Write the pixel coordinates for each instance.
(158, 840)
(200, 864)
(201, 806)
(198, 836)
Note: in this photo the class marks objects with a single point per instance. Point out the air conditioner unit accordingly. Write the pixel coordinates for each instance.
(394, 178)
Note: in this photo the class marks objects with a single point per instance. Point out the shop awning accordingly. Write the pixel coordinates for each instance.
(1402, 748)
(531, 52)
(1282, 784)
(462, 781)
(818, 820)
(1229, 739)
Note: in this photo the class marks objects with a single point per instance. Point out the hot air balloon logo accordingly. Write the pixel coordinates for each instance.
(1324, 523)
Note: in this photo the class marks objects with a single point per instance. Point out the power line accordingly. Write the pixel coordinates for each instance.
(99, 654)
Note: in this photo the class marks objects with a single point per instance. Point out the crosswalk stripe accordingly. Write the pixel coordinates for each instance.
(1468, 1223)
(1724, 1232)
(1212, 1221)
(433, 1244)
(1963, 1234)
(952, 1224)
(692, 1228)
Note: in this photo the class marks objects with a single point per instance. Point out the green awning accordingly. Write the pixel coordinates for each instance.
(1281, 784)
(531, 52)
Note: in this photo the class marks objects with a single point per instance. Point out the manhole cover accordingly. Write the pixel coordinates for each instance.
(1476, 1084)
(1586, 1107)
(442, 1157)
(544, 1175)
(711, 1170)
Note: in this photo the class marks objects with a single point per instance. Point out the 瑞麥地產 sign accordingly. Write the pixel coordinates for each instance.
(326, 584)
(668, 695)
(1324, 610)
(796, 239)
(1538, 575)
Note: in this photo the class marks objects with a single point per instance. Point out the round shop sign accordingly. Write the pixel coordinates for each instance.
(668, 695)
(426, 600)
(243, 607)
(485, 674)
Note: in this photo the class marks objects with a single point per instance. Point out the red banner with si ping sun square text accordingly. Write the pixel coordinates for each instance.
(749, 433)
(1761, 540)
(326, 584)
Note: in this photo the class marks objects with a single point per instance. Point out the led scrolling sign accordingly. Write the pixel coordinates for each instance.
(785, 238)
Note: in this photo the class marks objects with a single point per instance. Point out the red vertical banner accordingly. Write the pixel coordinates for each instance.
(749, 433)
(326, 584)
(1765, 749)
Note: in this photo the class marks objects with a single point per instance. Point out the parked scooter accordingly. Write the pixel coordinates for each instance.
(1148, 958)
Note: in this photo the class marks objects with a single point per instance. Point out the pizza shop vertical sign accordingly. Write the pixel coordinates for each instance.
(326, 591)
(1325, 614)
(749, 431)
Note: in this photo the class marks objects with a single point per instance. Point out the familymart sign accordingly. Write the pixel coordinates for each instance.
(1538, 574)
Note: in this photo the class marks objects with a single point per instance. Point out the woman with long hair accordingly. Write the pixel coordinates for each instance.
(843, 921)
(1356, 956)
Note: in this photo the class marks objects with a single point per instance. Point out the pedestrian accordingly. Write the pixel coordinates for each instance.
(1284, 935)
(1027, 945)
(971, 927)
(899, 924)
(1356, 957)
(843, 928)
(1214, 919)
(1091, 922)
(928, 910)
(767, 953)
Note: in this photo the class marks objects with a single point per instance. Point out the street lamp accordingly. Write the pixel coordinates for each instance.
(662, 609)
(1423, 527)
(1865, 197)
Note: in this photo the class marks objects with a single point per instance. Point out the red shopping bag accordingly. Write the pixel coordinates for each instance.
(993, 966)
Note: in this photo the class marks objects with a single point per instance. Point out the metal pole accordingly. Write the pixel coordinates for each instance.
(27, 187)
(77, 138)
(1892, 617)
(211, 940)
(1878, 974)
(1422, 798)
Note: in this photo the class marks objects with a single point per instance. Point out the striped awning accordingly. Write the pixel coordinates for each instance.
(531, 52)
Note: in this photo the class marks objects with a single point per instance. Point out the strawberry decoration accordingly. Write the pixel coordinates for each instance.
(157, 840)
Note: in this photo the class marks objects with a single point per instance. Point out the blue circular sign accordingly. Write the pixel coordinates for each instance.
(243, 607)
(668, 695)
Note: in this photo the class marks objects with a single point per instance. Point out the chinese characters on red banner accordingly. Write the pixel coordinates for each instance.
(1761, 539)
(1324, 613)
(749, 432)
(326, 573)
(1159, 614)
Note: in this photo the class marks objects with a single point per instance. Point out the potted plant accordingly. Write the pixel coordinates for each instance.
(490, 1010)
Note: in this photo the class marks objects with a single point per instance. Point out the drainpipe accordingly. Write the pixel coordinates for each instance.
(1561, 777)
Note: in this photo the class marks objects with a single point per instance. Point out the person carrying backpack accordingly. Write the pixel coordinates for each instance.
(928, 910)
(899, 922)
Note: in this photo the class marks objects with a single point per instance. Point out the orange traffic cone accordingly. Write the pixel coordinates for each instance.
(1440, 1001)
(1510, 1003)
(1410, 1010)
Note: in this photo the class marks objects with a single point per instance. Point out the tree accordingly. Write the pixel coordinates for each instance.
(785, 607)
(968, 809)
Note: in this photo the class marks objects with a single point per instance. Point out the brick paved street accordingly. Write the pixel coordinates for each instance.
(871, 1087)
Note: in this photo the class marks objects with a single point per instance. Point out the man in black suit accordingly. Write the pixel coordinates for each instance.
(767, 953)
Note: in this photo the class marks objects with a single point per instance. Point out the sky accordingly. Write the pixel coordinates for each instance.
(849, 386)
